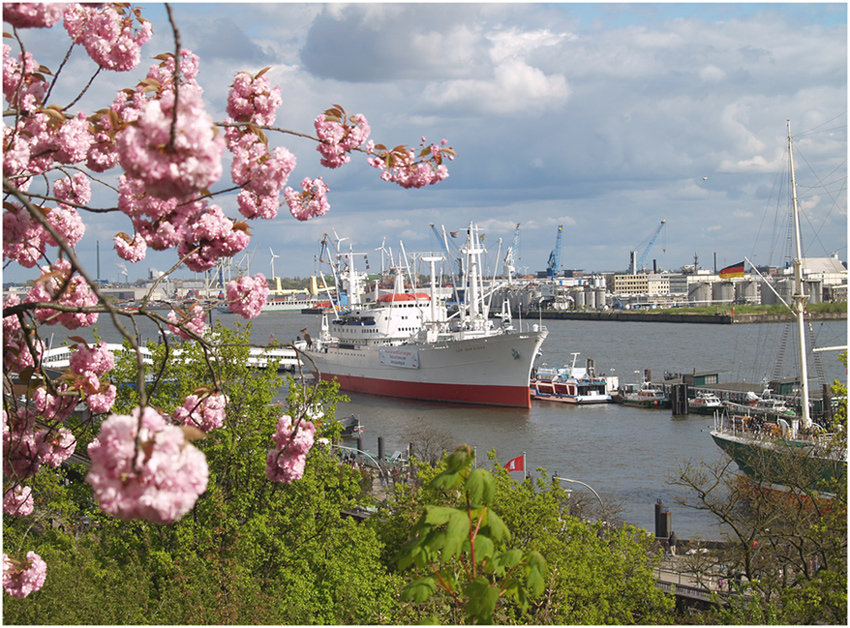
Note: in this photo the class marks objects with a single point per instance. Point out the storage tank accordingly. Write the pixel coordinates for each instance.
(813, 288)
(578, 295)
(723, 292)
(746, 292)
(601, 301)
(590, 299)
(699, 293)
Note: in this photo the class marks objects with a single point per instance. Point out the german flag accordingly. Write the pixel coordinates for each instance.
(735, 270)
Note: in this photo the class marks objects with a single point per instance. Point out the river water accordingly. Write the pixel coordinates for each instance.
(626, 454)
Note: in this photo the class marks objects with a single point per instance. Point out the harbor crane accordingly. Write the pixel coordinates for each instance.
(512, 256)
(555, 256)
(638, 264)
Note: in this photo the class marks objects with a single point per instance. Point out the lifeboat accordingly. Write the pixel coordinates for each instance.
(404, 296)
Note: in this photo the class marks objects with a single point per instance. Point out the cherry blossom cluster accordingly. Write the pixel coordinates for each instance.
(260, 172)
(25, 239)
(23, 85)
(403, 166)
(59, 284)
(253, 99)
(158, 482)
(33, 15)
(247, 296)
(206, 412)
(90, 364)
(312, 201)
(194, 320)
(286, 463)
(112, 37)
(17, 353)
(18, 501)
(20, 578)
(25, 450)
(340, 133)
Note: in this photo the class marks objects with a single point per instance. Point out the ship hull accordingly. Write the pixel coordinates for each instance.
(774, 461)
(492, 370)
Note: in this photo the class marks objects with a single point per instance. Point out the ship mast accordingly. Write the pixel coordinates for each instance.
(799, 297)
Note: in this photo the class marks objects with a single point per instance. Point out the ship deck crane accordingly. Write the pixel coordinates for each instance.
(638, 265)
(512, 256)
(555, 256)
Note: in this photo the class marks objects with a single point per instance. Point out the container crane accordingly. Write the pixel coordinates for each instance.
(638, 264)
(555, 256)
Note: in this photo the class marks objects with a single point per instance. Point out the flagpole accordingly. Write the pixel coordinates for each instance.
(524, 468)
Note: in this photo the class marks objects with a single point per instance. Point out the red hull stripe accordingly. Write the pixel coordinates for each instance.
(511, 396)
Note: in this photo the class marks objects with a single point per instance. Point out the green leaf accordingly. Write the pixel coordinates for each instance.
(483, 547)
(419, 590)
(482, 600)
(438, 515)
(481, 487)
(456, 533)
(509, 559)
(497, 528)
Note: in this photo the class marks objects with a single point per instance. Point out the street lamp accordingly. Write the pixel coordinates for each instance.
(583, 484)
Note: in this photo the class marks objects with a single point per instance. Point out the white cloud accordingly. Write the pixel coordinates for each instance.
(514, 88)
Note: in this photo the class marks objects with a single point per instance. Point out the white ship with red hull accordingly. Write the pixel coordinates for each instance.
(405, 345)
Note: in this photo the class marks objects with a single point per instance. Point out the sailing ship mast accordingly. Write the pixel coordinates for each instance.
(799, 298)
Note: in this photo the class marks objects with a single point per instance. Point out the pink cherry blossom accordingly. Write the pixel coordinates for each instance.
(24, 238)
(108, 35)
(23, 85)
(159, 483)
(338, 137)
(102, 400)
(205, 413)
(20, 451)
(247, 296)
(18, 501)
(68, 224)
(286, 463)
(97, 359)
(262, 174)
(32, 14)
(76, 189)
(55, 446)
(130, 249)
(253, 100)
(311, 202)
(409, 170)
(20, 578)
(213, 235)
(77, 294)
(168, 169)
(195, 319)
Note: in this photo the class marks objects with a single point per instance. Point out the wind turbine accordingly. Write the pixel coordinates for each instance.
(273, 256)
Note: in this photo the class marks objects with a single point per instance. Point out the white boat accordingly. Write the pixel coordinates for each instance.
(763, 443)
(705, 403)
(647, 396)
(571, 384)
(406, 345)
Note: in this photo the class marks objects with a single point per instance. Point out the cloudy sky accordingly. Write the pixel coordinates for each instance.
(603, 118)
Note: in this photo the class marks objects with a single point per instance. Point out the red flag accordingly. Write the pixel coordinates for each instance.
(735, 270)
(517, 464)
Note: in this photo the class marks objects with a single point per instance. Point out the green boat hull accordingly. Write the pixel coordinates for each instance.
(783, 461)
